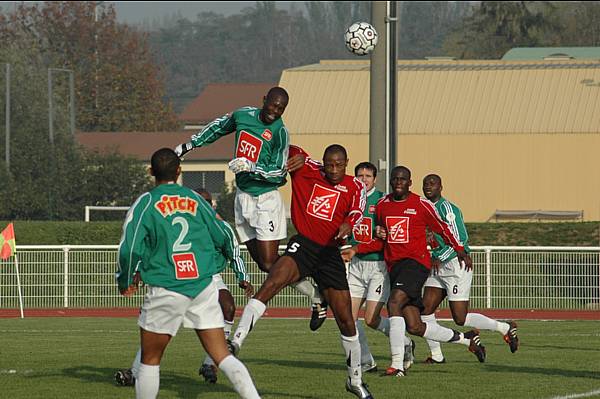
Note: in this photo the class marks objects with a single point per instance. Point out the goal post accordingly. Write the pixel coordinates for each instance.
(89, 208)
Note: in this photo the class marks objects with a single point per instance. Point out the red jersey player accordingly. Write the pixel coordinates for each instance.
(404, 218)
(326, 204)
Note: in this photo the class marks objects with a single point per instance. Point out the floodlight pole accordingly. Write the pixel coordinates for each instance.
(51, 102)
(383, 113)
(7, 118)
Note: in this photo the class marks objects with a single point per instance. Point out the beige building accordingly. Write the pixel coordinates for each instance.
(504, 135)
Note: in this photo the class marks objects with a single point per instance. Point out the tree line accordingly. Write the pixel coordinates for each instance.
(127, 79)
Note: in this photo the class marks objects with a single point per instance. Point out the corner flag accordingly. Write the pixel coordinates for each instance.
(7, 242)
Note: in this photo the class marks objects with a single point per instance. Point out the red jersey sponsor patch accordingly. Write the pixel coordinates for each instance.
(248, 146)
(372, 209)
(185, 266)
(322, 202)
(362, 232)
(267, 135)
(397, 229)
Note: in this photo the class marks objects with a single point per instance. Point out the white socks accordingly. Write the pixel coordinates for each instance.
(307, 288)
(252, 312)
(147, 382)
(135, 367)
(485, 323)
(384, 326)
(352, 350)
(239, 377)
(397, 335)
(365, 353)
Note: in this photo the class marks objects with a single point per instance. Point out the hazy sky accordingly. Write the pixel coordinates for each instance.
(135, 12)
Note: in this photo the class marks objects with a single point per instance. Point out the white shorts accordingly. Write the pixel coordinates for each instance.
(219, 283)
(163, 310)
(368, 279)
(454, 279)
(261, 217)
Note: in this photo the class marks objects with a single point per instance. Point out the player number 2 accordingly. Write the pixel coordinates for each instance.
(179, 246)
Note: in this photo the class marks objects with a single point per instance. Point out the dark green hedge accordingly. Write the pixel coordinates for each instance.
(80, 233)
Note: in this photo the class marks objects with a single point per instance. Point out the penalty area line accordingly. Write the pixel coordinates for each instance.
(578, 395)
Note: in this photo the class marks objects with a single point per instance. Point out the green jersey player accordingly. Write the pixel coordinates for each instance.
(171, 241)
(449, 278)
(260, 165)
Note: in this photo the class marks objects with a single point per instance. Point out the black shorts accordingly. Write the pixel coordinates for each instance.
(409, 276)
(323, 264)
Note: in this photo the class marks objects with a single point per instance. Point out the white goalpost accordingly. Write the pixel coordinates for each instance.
(89, 208)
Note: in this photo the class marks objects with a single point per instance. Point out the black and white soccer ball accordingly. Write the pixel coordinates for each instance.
(361, 38)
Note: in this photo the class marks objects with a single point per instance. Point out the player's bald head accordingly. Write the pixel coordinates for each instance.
(335, 149)
(277, 92)
(434, 177)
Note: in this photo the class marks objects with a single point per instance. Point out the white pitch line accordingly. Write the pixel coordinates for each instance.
(578, 395)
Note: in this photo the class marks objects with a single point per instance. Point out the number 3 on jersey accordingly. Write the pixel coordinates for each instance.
(185, 263)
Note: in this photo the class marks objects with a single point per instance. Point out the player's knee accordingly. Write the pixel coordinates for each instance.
(416, 329)
(460, 320)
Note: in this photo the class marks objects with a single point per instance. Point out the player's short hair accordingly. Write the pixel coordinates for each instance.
(433, 176)
(335, 148)
(165, 164)
(204, 193)
(366, 165)
(404, 168)
(277, 92)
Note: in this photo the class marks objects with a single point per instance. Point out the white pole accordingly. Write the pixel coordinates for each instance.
(488, 277)
(19, 286)
(87, 214)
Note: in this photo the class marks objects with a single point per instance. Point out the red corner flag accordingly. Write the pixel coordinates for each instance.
(7, 242)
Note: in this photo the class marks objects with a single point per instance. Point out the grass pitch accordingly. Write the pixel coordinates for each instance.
(76, 358)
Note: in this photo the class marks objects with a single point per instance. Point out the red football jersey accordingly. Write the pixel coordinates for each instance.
(318, 207)
(406, 222)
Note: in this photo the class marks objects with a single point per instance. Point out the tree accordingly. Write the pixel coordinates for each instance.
(497, 26)
(53, 180)
(118, 87)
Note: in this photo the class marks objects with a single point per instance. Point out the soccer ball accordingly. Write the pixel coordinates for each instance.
(361, 38)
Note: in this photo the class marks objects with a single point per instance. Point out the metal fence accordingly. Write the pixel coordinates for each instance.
(82, 276)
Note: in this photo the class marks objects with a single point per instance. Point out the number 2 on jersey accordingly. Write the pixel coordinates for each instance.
(179, 246)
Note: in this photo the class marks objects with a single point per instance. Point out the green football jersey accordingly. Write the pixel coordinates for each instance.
(363, 232)
(235, 263)
(265, 145)
(172, 238)
(452, 215)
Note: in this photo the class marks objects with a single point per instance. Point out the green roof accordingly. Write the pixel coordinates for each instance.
(539, 53)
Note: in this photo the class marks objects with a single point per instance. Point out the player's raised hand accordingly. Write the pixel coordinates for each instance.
(183, 149)
(247, 287)
(296, 162)
(464, 259)
(241, 164)
(380, 232)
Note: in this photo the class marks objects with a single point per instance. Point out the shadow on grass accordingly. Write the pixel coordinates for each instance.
(543, 371)
(183, 387)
